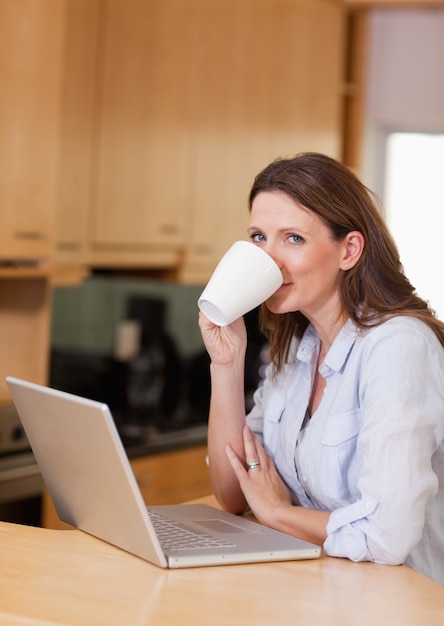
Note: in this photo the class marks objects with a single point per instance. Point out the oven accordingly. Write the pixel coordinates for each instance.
(21, 484)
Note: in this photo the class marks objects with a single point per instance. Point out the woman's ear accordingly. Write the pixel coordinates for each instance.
(354, 243)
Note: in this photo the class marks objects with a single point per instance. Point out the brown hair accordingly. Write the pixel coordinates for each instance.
(376, 288)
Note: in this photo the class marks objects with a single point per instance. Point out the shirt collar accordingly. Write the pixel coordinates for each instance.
(337, 355)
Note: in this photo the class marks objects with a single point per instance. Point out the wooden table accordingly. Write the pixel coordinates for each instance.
(54, 577)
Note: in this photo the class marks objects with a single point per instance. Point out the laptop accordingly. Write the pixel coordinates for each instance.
(89, 477)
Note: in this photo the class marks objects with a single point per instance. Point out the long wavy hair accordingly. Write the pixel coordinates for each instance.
(376, 288)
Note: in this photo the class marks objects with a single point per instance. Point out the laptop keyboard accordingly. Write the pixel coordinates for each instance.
(174, 536)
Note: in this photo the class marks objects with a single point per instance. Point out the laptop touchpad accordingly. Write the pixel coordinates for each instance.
(220, 526)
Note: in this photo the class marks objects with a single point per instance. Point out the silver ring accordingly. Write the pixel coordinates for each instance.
(253, 465)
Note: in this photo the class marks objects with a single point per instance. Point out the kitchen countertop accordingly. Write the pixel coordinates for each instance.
(67, 577)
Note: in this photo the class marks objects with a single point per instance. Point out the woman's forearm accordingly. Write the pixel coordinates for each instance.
(301, 522)
(226, 422)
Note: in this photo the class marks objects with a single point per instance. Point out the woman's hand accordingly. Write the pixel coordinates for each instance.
(223, 344)
(263, 488)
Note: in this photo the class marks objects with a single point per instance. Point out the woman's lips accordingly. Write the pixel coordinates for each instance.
(283, 286)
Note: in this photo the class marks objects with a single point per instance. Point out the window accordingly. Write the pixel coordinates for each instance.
(414, 202)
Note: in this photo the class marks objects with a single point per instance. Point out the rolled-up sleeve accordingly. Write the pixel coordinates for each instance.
(343, 527)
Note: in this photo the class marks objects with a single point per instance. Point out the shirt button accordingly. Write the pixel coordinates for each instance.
(369, 504)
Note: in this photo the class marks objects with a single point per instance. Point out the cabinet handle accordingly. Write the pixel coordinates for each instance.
(202, 249)
(69, 245)
(29, 234)
(168, 229)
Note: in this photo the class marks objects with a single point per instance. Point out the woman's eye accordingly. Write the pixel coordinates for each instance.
(295, 238)
(257, 237)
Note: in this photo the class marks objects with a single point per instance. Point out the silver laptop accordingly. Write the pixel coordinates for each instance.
(91, 482)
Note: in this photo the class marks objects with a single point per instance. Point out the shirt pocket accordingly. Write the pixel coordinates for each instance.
(339, 463)
(273, 409)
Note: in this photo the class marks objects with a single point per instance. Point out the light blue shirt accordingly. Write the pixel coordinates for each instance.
(373, 452)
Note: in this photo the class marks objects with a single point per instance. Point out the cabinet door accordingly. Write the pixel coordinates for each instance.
(31, 38)
(269, 86)
(24, 330)
(76, 129)
(173, 477)
(142, 165)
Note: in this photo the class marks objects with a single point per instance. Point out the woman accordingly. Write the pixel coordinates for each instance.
(344, 445)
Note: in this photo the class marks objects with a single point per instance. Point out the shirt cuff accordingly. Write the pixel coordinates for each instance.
(345, 538)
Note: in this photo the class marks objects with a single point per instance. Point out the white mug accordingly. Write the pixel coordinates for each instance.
(244, 278)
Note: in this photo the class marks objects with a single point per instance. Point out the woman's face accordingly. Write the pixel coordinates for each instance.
(310, 259)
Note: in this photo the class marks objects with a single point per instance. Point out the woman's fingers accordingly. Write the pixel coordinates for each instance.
(254, 450)
(255, 455)
(236, 463)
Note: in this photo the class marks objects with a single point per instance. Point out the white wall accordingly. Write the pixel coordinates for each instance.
(405, 79)
(406, 93)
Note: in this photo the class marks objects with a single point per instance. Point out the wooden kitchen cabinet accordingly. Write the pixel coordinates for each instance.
(71, 238)
(141, 154)
(173, 477)
(25, 302)
(191, 99)
(165, 478)
(108, 174)
(270, 86)
(31, 57)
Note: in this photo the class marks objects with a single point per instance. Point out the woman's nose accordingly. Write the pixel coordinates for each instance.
(270, 249)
